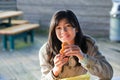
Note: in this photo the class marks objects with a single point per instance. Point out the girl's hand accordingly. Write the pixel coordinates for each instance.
(73, 50)
(59, 61)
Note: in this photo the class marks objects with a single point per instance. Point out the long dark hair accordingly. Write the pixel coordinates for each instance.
(54, 44)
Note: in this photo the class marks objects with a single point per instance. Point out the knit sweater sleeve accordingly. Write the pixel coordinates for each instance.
(96, 63)
(46, 68)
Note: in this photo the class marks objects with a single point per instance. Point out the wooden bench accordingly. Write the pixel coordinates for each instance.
(15, 22)
(17, 31)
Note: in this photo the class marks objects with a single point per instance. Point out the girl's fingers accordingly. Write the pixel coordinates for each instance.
(65, 60)
(59, 60)
(58, 64)
(73, 50)
(62, 62)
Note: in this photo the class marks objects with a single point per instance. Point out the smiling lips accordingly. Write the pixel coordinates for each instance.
(65, 37)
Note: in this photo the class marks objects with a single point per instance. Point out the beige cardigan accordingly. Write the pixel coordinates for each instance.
(94, 63)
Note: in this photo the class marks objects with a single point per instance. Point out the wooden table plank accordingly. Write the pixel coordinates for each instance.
(18, 29)
(7, 14)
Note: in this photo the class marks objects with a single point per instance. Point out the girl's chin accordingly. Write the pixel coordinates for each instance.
(66, 41)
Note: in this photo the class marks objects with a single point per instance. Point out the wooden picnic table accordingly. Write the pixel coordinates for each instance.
(12, 32)
(9, 15)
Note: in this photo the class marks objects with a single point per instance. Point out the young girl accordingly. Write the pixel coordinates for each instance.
(81, 54)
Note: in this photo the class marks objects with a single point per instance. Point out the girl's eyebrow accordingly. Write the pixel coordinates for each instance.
(66, 24)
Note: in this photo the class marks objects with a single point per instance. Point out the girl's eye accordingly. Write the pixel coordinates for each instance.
(58, 28)
(68, 25)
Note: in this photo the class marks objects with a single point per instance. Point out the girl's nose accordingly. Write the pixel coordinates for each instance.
(64, 29)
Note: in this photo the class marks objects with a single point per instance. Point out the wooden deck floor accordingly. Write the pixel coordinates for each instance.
(23, 63)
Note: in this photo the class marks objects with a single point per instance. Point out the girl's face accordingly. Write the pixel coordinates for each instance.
(65, 32)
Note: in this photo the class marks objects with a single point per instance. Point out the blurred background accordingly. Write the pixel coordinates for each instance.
(93, 16)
